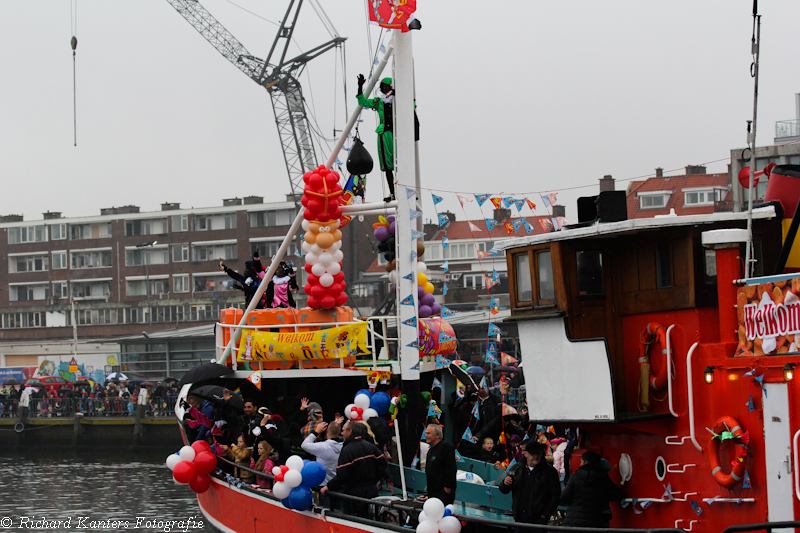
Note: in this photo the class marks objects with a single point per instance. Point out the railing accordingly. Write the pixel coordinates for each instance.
(787, 128)
(68, 407)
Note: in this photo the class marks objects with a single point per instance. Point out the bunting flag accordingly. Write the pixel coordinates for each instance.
(409, 276)
(531, 205)
(746, 482)
(413, 344)
(446, 266)
(491, 358)
(490, 223)
(411, 322)
(528, 227)
(482, 198)
(443, 220)
(518, 224)
(437, 384)
(482, 384)
(445, 243)
(696, 508)
(408, 300)
(446, 311)
(433, 410)
(546, 201)
(556, 224)
(255, 379)
(490, 282)
(750, 405)
(463, 199)
(509, 227)
(502, 438)
(444, 289)
(413, 255)
(476, 412)
(508, 202)
(444, 337)
(493, 330)
(473, 227)
(553, 198)
(667, 493)
(562, 221)
(546, 225)
(410, 192)
(459, 459)
(382, 49)
(506, 359)
(413, 214)
(469, 437)
(436, 199)
(424, 430)
(416, 235)
(442, 361)
(415, 367)
(484, 255)
(508, 410)
(495, 277)
(497, 202)
(519, 203)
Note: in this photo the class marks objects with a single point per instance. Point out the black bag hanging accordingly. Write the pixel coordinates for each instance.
(359, 162)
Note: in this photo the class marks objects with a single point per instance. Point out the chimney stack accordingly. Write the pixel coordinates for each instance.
(50, 215)
(659, 172)
(695, 169)
(501, 215)
(607, 183)
(170, 206)
(561, 211)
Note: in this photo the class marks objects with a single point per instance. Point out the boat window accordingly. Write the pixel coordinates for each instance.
(711, 267)
(590, 273)
(758, 257)
(523, 272)
(547, 290)
(663, 265)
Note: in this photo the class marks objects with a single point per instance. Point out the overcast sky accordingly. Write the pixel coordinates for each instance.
(512, 96)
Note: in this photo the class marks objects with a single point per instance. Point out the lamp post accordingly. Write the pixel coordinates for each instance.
(146, 260)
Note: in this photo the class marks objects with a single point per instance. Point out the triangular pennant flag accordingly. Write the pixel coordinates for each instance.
(508, 410)
(556, 225)
(473, 227)
(408, 300)
(444, 289)
(491, 359)
(413, 344)
(519, 203)
(446, 311)
(415, 367)
(746, 481)
(443, 220)
(490, 223)
(442, 361)
(749, 373)
(546, 225)
(413, 255)
(382, 49)
(446, 266)
(463, 199)
(433, 410)
(546, 200)
(416, 235)
(508, 201)
(459, 458)
(502, 438)
(482, 384)
(528, 227)
(506, 359)
(668, 492)
(750, 405)
(436, 384)
(483, 255)
(482, 198)
(553, 197)
(411, 322)
(445, 243)
(531, 205)
(493, 330)
(497, 202)
(469, 437)
(509, 227)
(413, 213)
(255, 379)
(476, 412)
(645, 505)
(696, 508)
(409, 276)
(410, 192)
(436, 199)
(444, 337)
(422, 438)
(710, 501)
(495, 276)
(518, 224)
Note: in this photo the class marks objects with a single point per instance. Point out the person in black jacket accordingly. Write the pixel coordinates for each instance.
(440, 466)
(587, 494)
(534, 487)
(249, 280)
(361, 467)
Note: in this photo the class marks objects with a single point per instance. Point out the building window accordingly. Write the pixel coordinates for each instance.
(91, 259)
(266, 249)
(433, 252)
(58, 232)
(474, 281)
(264, 219)
(90, 231)
(523, 277)
(180, 253)
(663, 265)
(547, 287)
(149, 256)
(695, 198)
(153, 226)
(28, 293)
(209, 252)
(793, 160)
(180, 283)
(653, 201)
(214, 283)
(180, 222)
(23, 320)
(91, 291)
(27, 263)
(590, 273)
(60, 289)
(139, 287)
(27, 234)
(60, 260)
(530, 291)
(214, 222)
(86, 317)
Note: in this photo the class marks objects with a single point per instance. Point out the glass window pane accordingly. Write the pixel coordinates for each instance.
(663, 265)
(547, 288)
(590, 273)
(523, 273)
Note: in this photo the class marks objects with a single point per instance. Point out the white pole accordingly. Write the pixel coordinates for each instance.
(74, 329)
(751, 141)
(400, 459)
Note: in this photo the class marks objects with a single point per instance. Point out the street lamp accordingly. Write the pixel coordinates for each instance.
(146, 259)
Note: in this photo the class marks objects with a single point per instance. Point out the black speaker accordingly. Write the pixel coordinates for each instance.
(587, 209)
(612, 206)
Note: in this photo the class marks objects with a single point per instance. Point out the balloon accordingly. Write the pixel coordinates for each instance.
(312, 302)
(424, 311)
(362, 400)
(341, 299)
(380, 402)
(348, 409)
(301, 498)
(434, 509)
(422, 516)
(172, 460)
(427, 299)
(333, 268)
(436, 308)
(184, 472)
(201, 446)
(328, 302)
(392, 228)
(325, 258)
(306, 247)
(318, 269)
(317, 291)
(309, 238)
(205, 462)
(429, 288)
(293, 478)
(420, 248)
(187, 453)
(381, 233)
(305, 223)
(311, 258)
(325, 240)
(450, 507)
(393, 276)
(368, 392)
(200, 483)
(338, 256)
(276, 470)
(449, 524)
(369, 413)
(428, 526)
(420, 291)
(281, 490)
(285, 502)
(294, 462)
(421, 267)
(422, 279)
(313, 474)
(326, 280)
(316, 249)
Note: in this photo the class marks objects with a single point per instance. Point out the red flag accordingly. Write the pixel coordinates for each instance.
(531, 205)
(255, 379)
(546, 225)
(391, 13)
(509, 227)
(497, 202)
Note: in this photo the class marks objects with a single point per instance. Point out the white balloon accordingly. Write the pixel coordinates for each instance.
(295, 462)
(449, 524)
(276, 470)
(348, 409)
(325, 258)
(338, 256)
(365, 416)
(293, 478)
(311, 258)
(187, 453)
(172, 460)
(336, 245)
(428, 526)
(317, 269)
(421, 267)
(178, 482)
(422, 516)
(305, 224)
(362, 400)
(317, 249)
(326, 280)
(451, 507)
(393, 276)
(333, 269)
(434, 509)
(371, 412)
(281, 490)
(306, 247)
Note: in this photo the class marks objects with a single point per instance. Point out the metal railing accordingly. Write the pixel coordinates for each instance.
(68, 407)
(787, 128)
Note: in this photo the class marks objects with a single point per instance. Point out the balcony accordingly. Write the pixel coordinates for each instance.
(787, 128)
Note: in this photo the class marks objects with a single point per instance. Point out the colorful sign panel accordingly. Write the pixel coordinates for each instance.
(332, 343)
(769, 318)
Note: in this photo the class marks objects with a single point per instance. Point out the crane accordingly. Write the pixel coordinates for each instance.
(279, 78)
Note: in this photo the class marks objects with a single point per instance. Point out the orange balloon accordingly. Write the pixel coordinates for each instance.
(422, 279)
(337, 235)
(310, 238)
(428, 288)
(325, 240)
(313, 227)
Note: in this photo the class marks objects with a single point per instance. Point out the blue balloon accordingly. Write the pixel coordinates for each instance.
(306, 461)
(313, 474)
(380, 401)
(286, 503)
(364, 391)
(448, 512)
(301, 498)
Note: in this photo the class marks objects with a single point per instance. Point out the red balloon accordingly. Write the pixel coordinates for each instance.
(308, 215)
(317, 291)
(312, 279)
(341, 299)
(328, 302)
(205, 462)
(315, 181)
(360, 410)
(338, 278)
(344, 286)
(284, 468)
(313, 303)
(306, 176)
(200, 446)
(304, 201)
(332, 179)
(308, 268)
(315, 204)
(279, 478)
(200, 483)
(184, 472)
(334, 289)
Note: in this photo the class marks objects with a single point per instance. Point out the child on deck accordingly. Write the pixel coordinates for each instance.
(240, 454)
(488, 452)
(264, 464)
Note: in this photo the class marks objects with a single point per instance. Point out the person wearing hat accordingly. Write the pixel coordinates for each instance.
(313, 412)
(534, 487)
(280, 288)
(588, 493)
(249, 280)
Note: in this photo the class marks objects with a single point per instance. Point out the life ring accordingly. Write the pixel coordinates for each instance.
(729, 481)
(19, 427)
(655, 333)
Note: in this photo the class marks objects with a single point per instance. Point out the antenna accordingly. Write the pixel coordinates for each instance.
(751, 139)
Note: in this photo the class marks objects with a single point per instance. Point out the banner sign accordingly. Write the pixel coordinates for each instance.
(769, 318)
(332, 343)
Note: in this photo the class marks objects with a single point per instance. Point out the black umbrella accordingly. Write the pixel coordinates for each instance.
(168, 380)
(463, 376)
(214, 392)
(34, 383)
(204, 372)
(505, 368)
(11, 381)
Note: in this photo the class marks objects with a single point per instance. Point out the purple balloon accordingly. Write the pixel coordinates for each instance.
(390, 218)
(420, 292)
(424, 311)
(427, 299)
(394, 287)
(391, 228)
(436, 308)
(381, 233)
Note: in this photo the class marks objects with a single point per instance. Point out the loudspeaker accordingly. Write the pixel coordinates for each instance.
(587, 209)
(612, 206)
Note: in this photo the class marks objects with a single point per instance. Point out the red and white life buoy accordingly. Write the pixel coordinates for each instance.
(655, 334)
(729, 481)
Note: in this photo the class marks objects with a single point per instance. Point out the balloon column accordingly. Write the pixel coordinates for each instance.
(192, 464)
(294, 480)
(367, 405)
(436, 518)
(323, 240)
